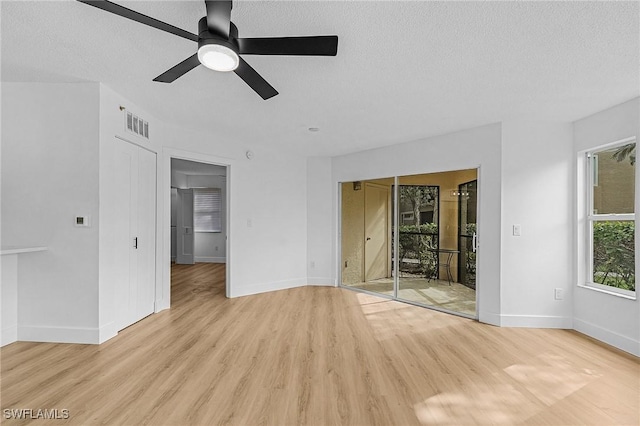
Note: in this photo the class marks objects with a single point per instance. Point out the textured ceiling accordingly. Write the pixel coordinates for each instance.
(404, 70)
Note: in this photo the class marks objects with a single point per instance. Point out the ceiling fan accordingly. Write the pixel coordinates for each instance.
(219, 47)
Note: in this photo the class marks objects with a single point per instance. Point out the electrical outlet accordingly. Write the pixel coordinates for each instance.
(346, 263)
(216, 248)
(558, 294)
(313, 264)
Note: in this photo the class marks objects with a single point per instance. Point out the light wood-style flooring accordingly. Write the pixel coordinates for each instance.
(454, 297)
(319, 356)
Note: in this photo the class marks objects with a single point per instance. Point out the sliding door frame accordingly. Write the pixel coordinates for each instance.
(395, 213)
(396, 239)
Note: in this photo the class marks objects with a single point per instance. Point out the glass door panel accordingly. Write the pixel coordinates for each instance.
(468, 236)
(429, 236)
(366, 236)
(418, 238)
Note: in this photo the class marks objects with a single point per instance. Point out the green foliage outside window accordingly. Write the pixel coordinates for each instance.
(469, 229)
(415, 240)
(614, 254)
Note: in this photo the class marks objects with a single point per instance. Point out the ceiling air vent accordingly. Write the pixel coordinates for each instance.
(136, 125)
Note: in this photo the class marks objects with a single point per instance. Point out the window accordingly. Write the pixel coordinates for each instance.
(611, 201)
(207, 204)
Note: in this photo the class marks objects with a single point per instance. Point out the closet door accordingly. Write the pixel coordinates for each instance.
(135, 214)
(146, 251)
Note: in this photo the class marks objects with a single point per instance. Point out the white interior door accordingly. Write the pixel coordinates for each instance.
(135, 245)
(146, 242)
(126, 214)
(184, 228)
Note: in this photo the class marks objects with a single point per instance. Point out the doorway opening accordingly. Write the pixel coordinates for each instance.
(413, 239)
(199, 229)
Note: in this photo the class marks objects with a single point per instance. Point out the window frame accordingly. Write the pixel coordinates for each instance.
(591, 218)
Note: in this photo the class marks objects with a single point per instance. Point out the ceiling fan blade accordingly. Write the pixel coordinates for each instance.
(218, 17)
(139, 17)
(296, 46)
(179, 70)
(255, 80)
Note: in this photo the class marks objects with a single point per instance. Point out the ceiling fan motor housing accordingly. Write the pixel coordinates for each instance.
(207, 37)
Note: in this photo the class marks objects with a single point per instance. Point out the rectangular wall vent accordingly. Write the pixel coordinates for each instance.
(136, 125)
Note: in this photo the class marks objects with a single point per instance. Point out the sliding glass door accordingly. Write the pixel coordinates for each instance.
(418, 237)
(408, 238)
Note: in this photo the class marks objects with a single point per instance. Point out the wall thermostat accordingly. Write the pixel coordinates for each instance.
(82, 221)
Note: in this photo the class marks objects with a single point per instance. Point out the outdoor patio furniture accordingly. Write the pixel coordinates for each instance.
(446, 263)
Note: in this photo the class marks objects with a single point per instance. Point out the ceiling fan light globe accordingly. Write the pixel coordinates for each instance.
(218, 57)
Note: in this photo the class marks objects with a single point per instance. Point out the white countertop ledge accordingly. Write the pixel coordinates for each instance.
(20, 249)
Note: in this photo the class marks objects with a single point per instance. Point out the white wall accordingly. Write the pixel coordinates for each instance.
(12, 303)
(50, 175)
(269, 192)
(537, 193)
(8, 299)
(479, 147)
(320, 217)
(606, 317)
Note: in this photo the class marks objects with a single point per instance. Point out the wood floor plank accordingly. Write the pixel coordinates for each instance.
(319, 356)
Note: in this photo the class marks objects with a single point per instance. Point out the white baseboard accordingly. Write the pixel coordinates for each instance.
(612, 338)
(250, 289)
(490, 318)
(107, 332)
(321, 281)
(9, 335)
(536, 321)
(58, 334)
(206, 259)
(161, 305)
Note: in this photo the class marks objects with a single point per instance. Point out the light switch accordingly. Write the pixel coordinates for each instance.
(82, 221)
(517, 230)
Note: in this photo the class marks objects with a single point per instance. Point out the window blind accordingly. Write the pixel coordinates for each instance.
(207, 204)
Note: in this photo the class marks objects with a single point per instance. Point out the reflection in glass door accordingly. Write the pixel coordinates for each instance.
(412, 238)
(366, 236)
